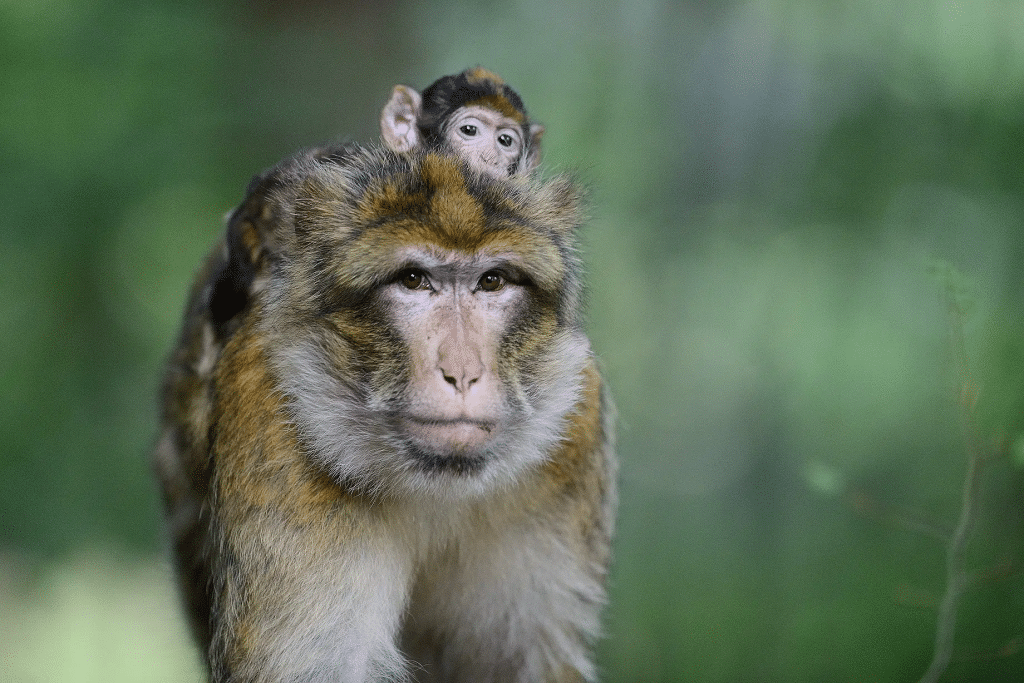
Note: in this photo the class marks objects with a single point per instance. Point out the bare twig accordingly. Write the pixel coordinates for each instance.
(957, 576)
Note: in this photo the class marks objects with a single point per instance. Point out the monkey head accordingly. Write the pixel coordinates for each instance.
(423, 322)
(474, 114)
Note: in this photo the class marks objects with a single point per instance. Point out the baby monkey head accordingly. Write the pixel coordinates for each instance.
(473, 114)
(422, 320)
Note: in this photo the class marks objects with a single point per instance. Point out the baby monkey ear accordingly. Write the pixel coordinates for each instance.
(533, 147)
(398, 119)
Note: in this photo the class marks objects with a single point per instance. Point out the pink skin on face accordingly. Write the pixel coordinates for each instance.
(455, 316)
(490, 141)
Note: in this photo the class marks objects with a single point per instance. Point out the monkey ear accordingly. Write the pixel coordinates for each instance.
(398, 119)
(533, 148)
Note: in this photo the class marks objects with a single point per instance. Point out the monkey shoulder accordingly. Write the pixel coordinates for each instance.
(259, 457)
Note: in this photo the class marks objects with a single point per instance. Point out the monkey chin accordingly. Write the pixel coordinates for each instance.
(456, 447)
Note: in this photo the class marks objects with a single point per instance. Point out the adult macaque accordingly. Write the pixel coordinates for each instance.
(387, 449)
(474, 114)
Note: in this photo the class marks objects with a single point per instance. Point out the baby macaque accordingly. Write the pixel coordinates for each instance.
(474, 114)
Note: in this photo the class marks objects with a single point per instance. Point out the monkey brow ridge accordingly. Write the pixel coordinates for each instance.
(442, 211)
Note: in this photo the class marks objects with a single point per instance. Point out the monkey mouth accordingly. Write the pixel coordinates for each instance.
(457, 438)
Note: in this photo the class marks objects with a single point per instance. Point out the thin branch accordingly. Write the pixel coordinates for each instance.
(957, 576)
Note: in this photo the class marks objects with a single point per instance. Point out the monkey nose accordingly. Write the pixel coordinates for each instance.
(460, 367)
(461, 377)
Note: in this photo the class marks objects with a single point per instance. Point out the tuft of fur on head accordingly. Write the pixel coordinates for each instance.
(474, 86)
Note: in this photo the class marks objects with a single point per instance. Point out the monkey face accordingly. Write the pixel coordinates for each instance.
(490, 141)
(452, 313)
(423, 323)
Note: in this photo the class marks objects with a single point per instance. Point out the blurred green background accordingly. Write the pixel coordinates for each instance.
(781, 192)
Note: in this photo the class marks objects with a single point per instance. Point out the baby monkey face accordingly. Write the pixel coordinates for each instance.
(489, 140)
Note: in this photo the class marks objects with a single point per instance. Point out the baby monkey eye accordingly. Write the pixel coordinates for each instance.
(413, 278)
(491, 281)
(468, 130)
(505, 140)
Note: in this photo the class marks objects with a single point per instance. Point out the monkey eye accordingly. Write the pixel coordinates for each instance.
(491, 281)
(469, 130)
(505, 140)
(413, 278)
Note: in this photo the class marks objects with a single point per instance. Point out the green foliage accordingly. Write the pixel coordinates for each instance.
(783, 192)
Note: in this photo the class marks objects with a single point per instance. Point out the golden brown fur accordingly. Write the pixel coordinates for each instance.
(318, 541)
